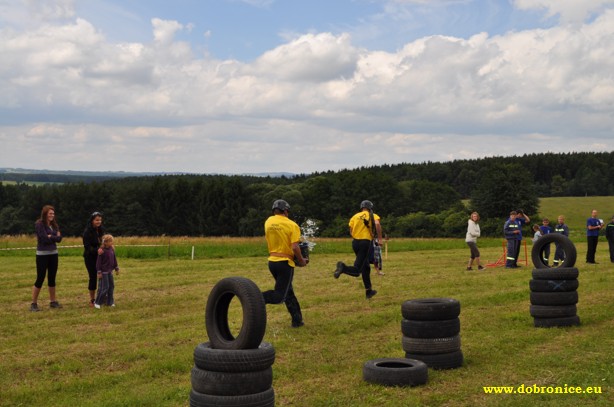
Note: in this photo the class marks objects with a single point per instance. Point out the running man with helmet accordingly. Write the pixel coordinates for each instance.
(364, 226)
(282, 237)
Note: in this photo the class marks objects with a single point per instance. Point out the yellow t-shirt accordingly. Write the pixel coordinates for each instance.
(280, 232)
(358, 229)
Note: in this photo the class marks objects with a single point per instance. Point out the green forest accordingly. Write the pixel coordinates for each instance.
(431, 199)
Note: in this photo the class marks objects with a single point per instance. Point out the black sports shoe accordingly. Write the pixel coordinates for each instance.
(297, 324)
(55, 304)
(371, 293)
(480, 268)
(339, 269)
(34, 307)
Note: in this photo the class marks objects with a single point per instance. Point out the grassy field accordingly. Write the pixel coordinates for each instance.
(140, 353)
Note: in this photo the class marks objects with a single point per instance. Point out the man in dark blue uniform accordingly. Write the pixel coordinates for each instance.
(511, 229)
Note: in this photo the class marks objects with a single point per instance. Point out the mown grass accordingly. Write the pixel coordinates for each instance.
(140, 353)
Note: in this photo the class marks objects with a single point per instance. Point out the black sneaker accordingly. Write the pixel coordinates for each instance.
(34, 307)
(480, 267)
(297, 324)
(55, 304)
(339, 269)
(469, 268)
(371, 293)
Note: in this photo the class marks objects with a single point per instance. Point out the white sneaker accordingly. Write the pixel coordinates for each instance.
(97, 306)
(113, 304)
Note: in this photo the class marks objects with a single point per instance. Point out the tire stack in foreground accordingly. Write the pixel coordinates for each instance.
(431, 332)
(554, 297)
(554, 292)
(228, 370)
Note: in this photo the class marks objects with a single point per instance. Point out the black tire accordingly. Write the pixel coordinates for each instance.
(553, 311)
(430, 329)
(254, 314)
(548, 286)
(564, 243)
(440, 361)
(395, 372)
(263, 399)
(231, 384)
(570, 273)
(429, 346)
(430, 309)
(240, 360)
(554, 322)
(561, 298)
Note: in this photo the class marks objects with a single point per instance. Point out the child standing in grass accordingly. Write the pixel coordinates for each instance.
(105, 264)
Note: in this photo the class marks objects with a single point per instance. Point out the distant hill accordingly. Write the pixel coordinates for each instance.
(68, 176)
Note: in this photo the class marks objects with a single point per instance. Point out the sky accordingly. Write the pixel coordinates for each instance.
(300, 86)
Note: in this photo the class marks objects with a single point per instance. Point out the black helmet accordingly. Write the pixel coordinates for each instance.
(281, 205)
(366, 204)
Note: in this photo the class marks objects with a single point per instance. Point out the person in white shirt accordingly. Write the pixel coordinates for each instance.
(473, 232)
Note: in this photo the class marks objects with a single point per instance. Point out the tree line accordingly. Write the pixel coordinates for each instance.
(414, 200)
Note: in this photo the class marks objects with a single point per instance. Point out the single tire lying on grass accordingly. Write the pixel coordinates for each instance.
(553, 311)
(555, 322)
(427, 346)
(395, 372)
(430, 329)
(231, 384)
(254, 314)
(263, 399)
(430, 309)
(570, 273)
(553, 285)
(450, 360)
(559, 298)
(562, 241)
(230, 360)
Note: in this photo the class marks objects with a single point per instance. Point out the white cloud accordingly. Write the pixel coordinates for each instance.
(317, 102)
(569, 10)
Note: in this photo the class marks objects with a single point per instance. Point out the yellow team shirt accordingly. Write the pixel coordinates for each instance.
(358, 229)
(280, 232)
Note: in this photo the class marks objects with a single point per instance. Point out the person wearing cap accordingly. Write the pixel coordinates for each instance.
(593, 226)
(609, 234)
(282, 237)
(92, 240)
(364, 228)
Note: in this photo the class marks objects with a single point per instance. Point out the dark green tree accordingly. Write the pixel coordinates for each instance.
(502, 188)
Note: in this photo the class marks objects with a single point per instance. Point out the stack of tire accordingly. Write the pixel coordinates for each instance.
(234, 370)
(431, 332)
(554, 292)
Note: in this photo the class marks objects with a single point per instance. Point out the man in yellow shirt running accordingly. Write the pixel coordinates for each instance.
(363, 227)
(282, 237)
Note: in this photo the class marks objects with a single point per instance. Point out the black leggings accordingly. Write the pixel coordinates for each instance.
(46, 265)
(90, 265)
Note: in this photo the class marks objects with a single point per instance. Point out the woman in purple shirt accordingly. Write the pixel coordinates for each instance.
(47, 234)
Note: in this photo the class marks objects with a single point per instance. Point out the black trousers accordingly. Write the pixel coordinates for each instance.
(90, 265)
(283, 274)
(611, 244)
(592, 248)
(362, 248)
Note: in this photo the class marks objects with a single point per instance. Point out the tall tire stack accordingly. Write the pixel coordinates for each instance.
(431, 332)
(554, 292)
(554, 297)
(234, 370)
